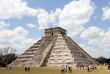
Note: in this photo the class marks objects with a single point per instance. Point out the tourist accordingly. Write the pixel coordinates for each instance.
(88, 69)
(28, 68)
(25, 68)
(109, 67)
(82, 66)
(70, 69)
(67, 68)
(62, 68)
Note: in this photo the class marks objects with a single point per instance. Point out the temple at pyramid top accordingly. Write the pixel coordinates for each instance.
(55, 31)
(54, 49)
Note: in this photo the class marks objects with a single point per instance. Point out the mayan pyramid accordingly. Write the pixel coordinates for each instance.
(53, 49)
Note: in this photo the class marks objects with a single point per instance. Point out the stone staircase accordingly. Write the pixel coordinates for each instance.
(40, 54)
(47, 52)
(60, 53)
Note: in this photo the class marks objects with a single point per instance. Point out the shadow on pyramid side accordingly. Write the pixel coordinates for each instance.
(54, 49)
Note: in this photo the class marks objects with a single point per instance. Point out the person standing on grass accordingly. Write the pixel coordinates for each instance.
(89, 68)
(70, 68)
(62, 68)
(109, 67)
(28, 68)
(25, 68)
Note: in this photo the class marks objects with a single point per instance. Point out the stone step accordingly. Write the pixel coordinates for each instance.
(28, 53)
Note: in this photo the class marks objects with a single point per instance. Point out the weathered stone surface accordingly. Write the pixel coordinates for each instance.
(54, 49)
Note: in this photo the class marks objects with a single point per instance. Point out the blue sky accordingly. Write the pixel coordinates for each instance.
(22, 22)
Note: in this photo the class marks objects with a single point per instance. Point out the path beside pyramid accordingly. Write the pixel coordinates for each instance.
(54, 49)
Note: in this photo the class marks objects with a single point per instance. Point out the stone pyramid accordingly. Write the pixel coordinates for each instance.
(53, 49)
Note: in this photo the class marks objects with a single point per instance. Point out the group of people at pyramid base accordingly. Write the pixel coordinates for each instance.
(66, 68)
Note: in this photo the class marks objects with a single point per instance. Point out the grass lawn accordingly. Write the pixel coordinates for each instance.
(50, 70)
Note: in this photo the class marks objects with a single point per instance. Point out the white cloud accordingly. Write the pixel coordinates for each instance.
(15, 9)
(31, 25)
(16, 38)
(92, 32)
(98, 41)
(75, 15)
(3, 24)
(19, 8)
(54, 16)
(106, 13)
(43, 19)
(72, 17)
